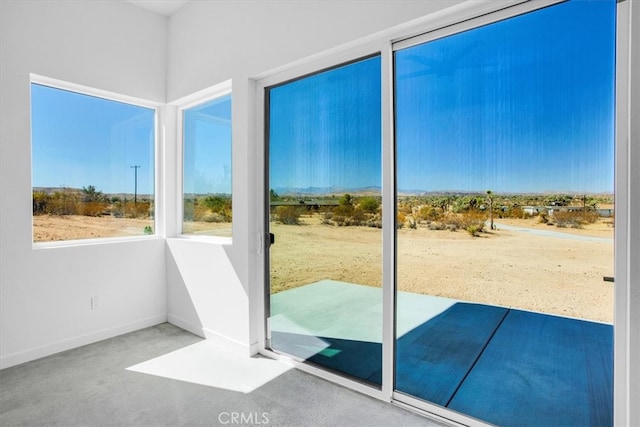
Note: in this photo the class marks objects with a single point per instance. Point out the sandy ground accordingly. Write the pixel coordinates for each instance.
(220, 229)
(48, 228)
(507, 268)
(502, 267)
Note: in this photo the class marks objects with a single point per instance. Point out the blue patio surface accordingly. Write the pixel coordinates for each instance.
(508, 367)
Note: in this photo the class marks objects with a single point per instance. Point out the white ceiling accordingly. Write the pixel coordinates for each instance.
(163, 7)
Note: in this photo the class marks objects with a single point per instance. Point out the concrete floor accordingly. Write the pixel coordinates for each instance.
(92, 386)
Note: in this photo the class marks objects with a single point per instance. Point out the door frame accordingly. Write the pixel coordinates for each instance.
(449, 21)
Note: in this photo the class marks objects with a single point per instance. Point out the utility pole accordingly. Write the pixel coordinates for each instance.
(135, 190)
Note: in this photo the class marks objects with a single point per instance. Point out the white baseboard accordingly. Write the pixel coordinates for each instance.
(186, 325)
(70, 343)
(228, 344)
(235, 347)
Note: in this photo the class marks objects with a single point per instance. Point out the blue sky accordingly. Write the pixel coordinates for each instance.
(526, 104)
(207, 147)
(325, 129)
(79, 140)
(523, 105)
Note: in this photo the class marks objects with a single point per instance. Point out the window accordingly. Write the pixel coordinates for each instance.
(92, 165)
(207, 168)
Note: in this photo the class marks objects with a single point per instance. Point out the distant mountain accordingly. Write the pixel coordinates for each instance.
(328, 191)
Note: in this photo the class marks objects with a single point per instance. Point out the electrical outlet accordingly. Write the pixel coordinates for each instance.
(95, 302)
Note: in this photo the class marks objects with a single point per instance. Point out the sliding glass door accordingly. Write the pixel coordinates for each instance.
(325, 275)
(505, 173)
(497, 301)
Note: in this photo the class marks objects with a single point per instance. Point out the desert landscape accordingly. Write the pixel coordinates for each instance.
(554, 275)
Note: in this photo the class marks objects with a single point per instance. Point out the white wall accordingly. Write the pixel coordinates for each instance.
(213, 41)
(210, 42)
(45, 293)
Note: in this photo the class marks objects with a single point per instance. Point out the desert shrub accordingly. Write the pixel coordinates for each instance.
(208, 209)
(429, 213)
(412, 223)
(358, 217)
(63, 202)
(590, 216)
(348, 215)
(91, 194)
(213, 217)
(289, 215)
(516, 212)
(343, 210)
(452, 222)
(216, 203)
(473, 220)
(40, 199)
(472, 230)
(543, 217)
(138, 209)
(400, 220)
(339, 220)
(204, 214)
(405, 209)
(369, 204)
(198, 211)
(131, 209)
(326, 218)
(346, 200)
(93, 208)
(575, 219)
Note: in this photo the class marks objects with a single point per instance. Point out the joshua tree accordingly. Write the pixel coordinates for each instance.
(490, 200)
(90, 194)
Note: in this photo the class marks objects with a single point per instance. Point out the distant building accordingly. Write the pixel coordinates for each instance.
(604, 210)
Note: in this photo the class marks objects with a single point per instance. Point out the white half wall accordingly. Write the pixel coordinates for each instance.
(45, 304)
(205, 294)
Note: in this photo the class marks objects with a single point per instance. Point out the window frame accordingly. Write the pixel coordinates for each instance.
(158, 201)
(195, 99)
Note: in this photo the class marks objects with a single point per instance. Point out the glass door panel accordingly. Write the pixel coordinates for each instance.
(505, 154)
(325, 273)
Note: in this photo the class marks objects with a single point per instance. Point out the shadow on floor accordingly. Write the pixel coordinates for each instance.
(508, 367)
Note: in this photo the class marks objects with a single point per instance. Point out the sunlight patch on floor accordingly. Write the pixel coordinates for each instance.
(205, 364)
